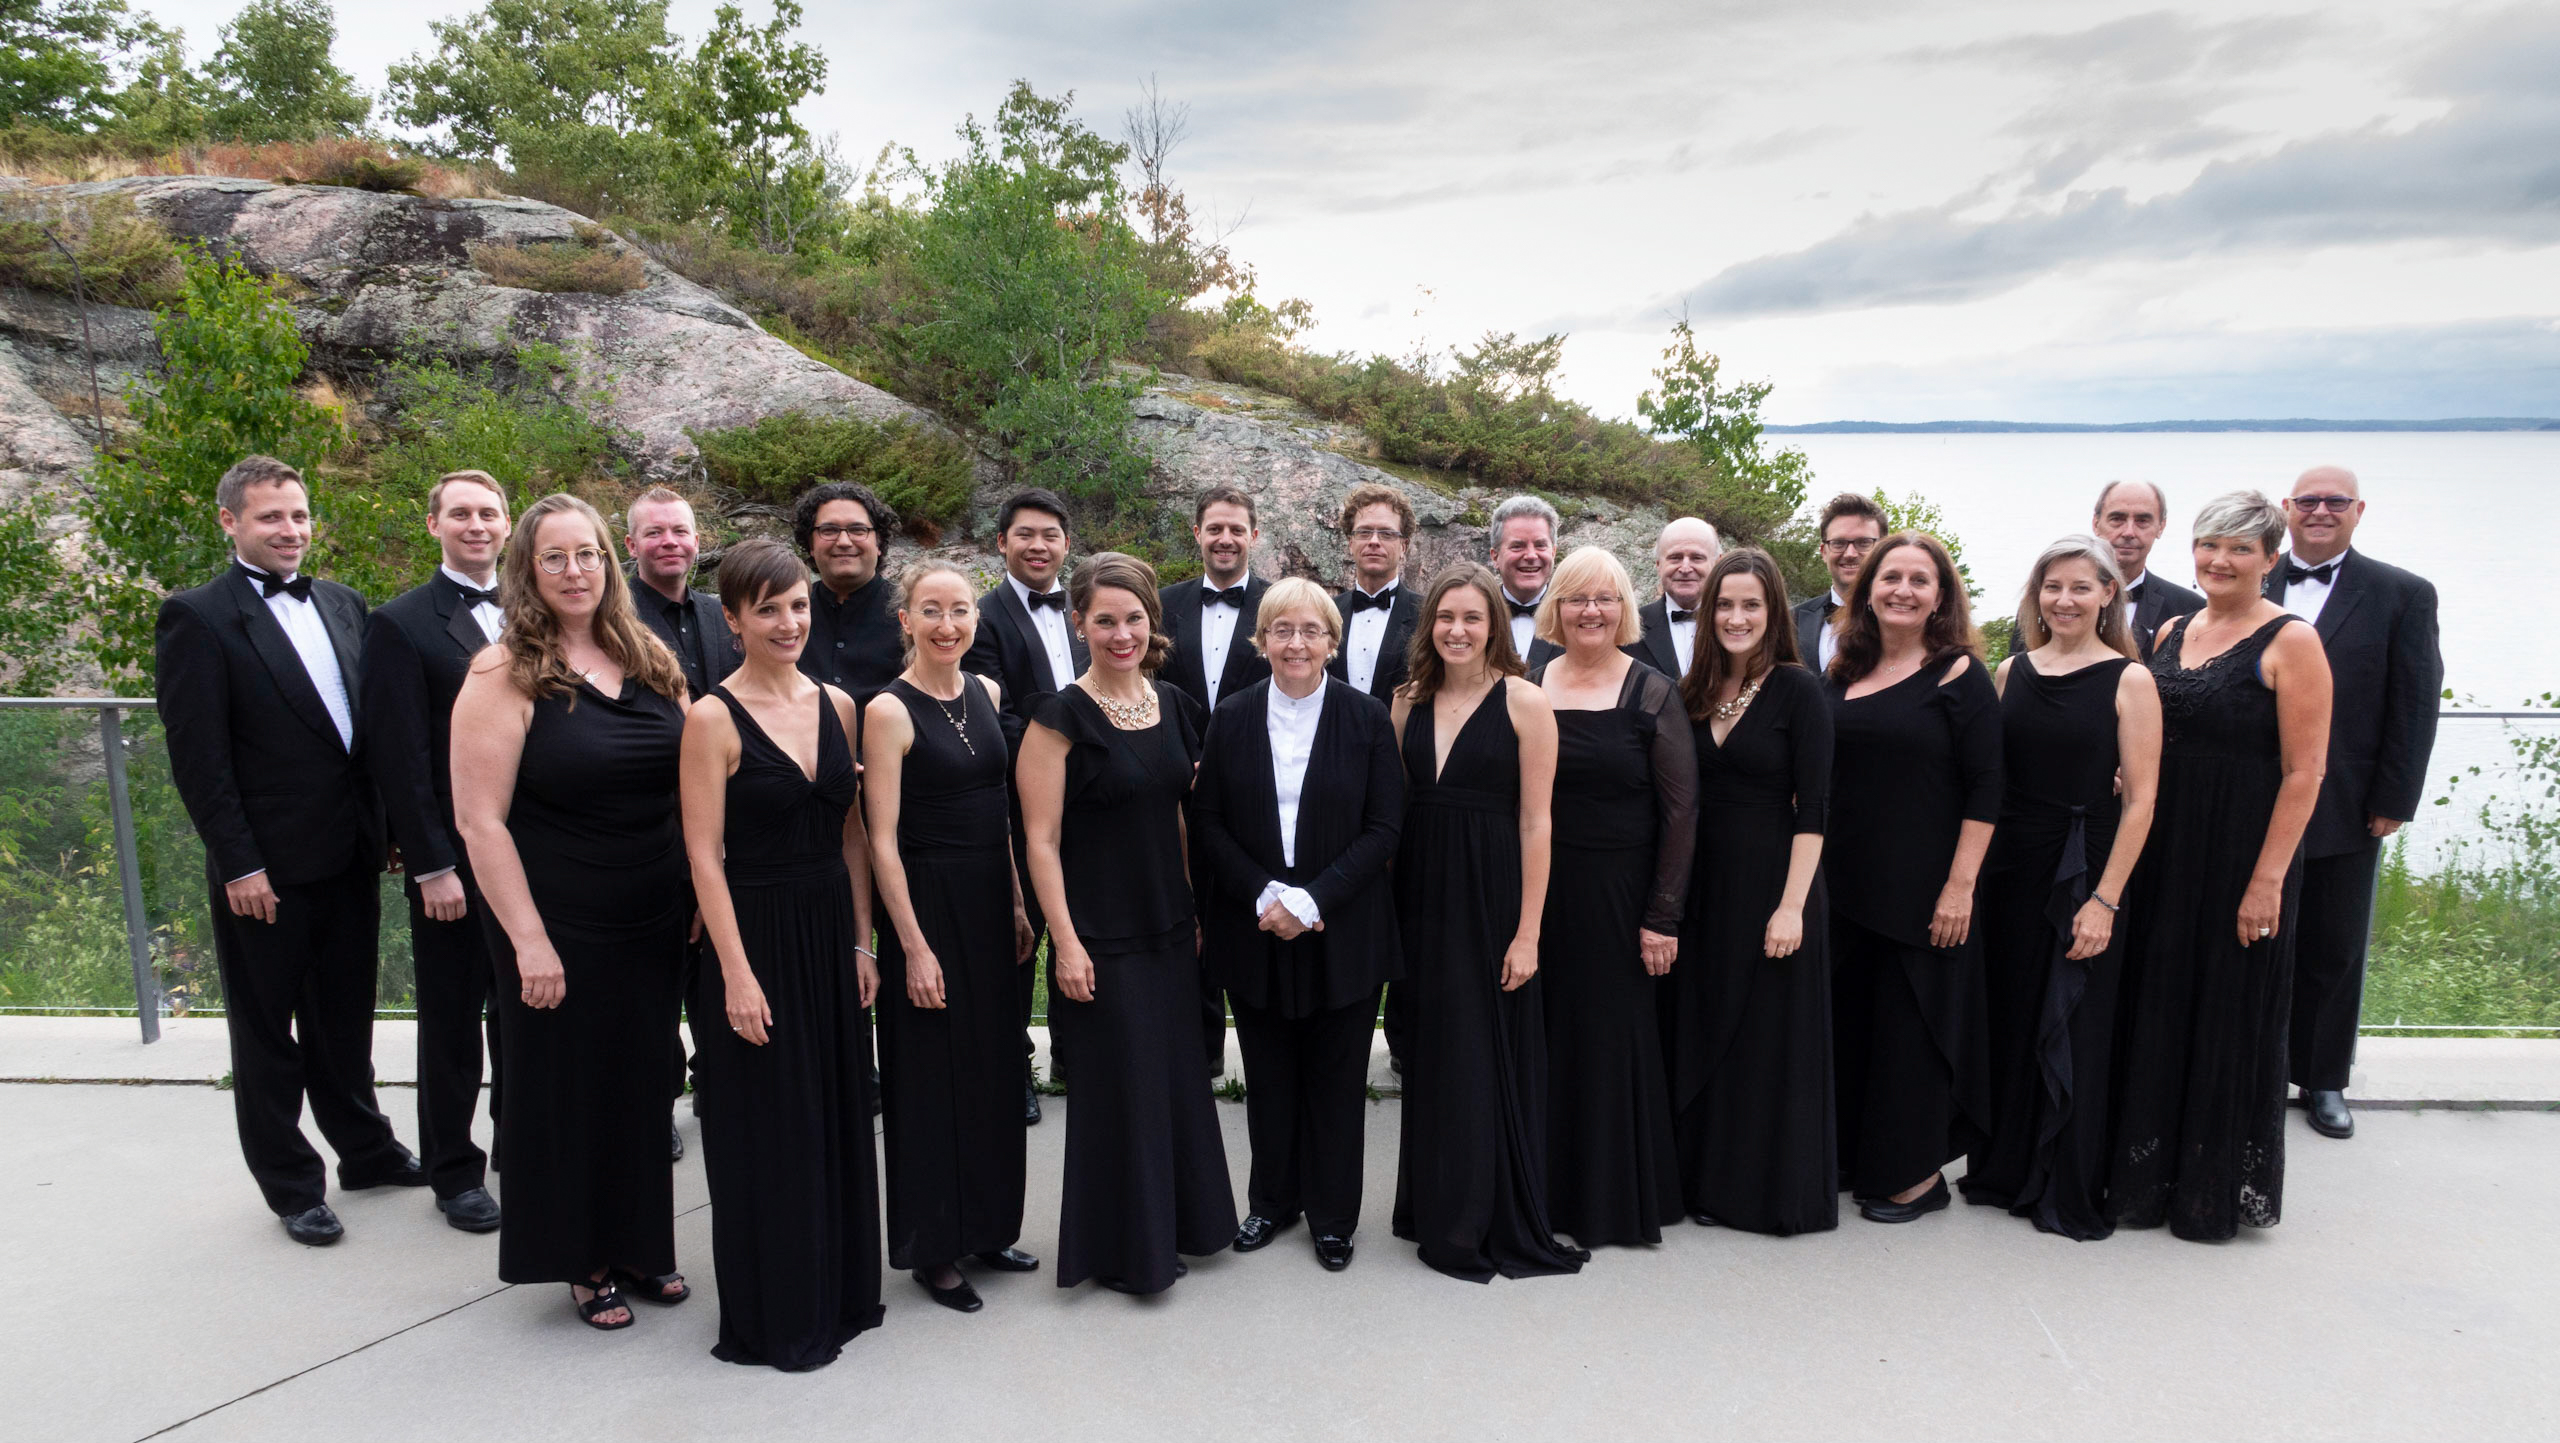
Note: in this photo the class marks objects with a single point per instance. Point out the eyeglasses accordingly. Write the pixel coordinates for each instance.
(587, 558)
(2336, 504)
(1589, 603)
(1377, 533)
(1852, 545)
(836, 531)
(1283, 633)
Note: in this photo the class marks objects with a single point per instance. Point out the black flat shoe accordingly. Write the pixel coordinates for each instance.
(1705, 1220)
(1009, 1260)
(675, 1144)
(1334, 1252)
(959, 1297)
(666, 1289)
(1181, 1269)
(1257, 1231)
(1030, 1104)
(2327, 1109)
(314, 1227)
(472, 1212)
(1880, 1210)
(403, 1171)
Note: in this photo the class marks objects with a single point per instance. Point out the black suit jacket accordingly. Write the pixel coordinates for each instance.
(1654, 648)
(1810, 622)
(1008, 648)
(1184, 669)
(718, 649)
(2386, 676)
(1395, 648)
(417, 650)
(2157, 601)
(1350, 811)
(257, 761)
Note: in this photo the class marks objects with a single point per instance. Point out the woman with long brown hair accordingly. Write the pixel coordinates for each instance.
(1479, 744)
(565, 742)
(1915, 789)
(1748, 1006)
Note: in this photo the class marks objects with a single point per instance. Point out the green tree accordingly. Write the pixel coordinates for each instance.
(1753, 485)
(1916, 512)
(230, 361)
(273, 78)
(165, 103)
(59, 59)
(761, 167)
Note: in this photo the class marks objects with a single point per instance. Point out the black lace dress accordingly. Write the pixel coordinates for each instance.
(2052, 1020)
(786, 1127)
(2201, 1047)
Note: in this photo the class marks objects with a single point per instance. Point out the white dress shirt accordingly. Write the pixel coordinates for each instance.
(1829, 642)
(1524, 627)
(2306, 598)
(1365, 637)
(1292, 726)
(1684, 634)
(491, 619)
(1051, 623)
(1217, 633)
(302, 625)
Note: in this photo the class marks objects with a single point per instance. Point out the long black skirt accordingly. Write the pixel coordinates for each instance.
(1613, 1172)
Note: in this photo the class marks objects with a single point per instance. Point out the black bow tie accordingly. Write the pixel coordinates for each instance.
(298, 588)
(1679, 616)
(474, 596)
(1232, 596)
(2295, 571)
(1522, 608)
(1055, 600)
(1362, 601)
(1828, 606)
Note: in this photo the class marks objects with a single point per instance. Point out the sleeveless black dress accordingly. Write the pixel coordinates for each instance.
(1471, 1174)
(1146, 1177)
(1750, 1035)
(585, 1112)
(2052, 1020)
(2201, 1045)
(951, 1078)
(1625, 825)
(786, 1127)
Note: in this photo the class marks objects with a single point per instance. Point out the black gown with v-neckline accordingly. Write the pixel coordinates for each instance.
(786, 1127)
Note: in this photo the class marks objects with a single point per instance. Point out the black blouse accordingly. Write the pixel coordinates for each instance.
(1120, 834)
(1911, 764)
(1628, 777)
(1778, 753)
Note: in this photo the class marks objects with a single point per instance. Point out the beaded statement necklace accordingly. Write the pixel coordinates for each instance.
(1128, 716)
(1741, 702)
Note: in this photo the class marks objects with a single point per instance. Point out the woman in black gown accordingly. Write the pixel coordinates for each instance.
(782, 1041)
(2080, 734)
(1915, 789)
(1626, 823)
(1105, 766)
(1750, 999)
(565, 742)
(2208, 976)
(1471, 887)
(934, 764)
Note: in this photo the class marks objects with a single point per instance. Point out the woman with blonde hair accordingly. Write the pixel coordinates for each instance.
(565, 743)
(1626, 825)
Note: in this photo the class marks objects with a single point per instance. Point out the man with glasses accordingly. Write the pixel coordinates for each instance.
(1524, 556)
(2129, 517)
(2378, 625)
(1850, 528)
(853, 643)
(1379, 612)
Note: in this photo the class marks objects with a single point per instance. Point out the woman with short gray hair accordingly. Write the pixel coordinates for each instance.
(2200, 1082)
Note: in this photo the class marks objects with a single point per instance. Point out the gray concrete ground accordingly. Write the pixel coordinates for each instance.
(2408, 1294)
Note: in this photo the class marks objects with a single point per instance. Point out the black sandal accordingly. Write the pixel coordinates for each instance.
(666, 1289)
(607, 1298)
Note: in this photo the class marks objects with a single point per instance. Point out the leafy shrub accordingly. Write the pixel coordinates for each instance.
(588, 263)
(124, 259)
(359, 164)
(925, 475)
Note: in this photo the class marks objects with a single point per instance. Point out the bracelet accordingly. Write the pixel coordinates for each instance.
(2103, 902)
(861, 951)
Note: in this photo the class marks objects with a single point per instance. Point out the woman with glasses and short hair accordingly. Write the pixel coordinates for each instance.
(565, 743)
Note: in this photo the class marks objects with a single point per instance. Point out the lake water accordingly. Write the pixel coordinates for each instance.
(2456, 507)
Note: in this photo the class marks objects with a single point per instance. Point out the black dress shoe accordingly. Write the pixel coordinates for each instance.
(315, 1227)
(1030, 1104)
(1181, 1269)
(1883, 1210)
(473, 1212)
(1009, 1260)
(675, 1144)
(1257, 1231)
(1395, 1064)
(403, 1171)
(1334, 1252)
(1705, 1220)
(2327, 1108)
(959, 1297)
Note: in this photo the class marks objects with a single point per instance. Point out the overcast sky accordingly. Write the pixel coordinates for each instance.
(2047, 211)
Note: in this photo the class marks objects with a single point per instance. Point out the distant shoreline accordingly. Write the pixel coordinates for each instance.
(1925, 428)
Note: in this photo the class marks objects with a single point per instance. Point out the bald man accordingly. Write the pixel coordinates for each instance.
(2378, 624)
(1682, 555)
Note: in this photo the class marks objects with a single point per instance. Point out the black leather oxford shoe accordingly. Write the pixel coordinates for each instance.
(404, 1170)
(1881, 1210)
(1030, 1104)
(959, 1297)
(2327, 1108)
(473, 1212)
(1009, 1260)
(1257, 1231)
(1334, 1252)
(314, 1227)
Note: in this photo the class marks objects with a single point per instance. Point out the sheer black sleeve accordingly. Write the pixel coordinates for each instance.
(1809, 741)
(1974, 711)
(1675, 793)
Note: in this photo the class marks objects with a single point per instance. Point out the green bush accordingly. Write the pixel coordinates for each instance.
(124, 260)
(924, 475)
(590, 264)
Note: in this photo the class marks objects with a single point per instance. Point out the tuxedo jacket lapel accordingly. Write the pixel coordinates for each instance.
(1240, 651)
(293, 680)
(2346, 589)
(1009, 604)
(1191, 645)
(339, 613)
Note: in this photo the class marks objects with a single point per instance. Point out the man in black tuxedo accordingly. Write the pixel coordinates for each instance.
(1523, 538)
(1211, 616)
(1025, 642)
(2378, 625)
(1850, 527)
(659, 534)
(854, 642)
(418, 647)
(1379, 612)
(2130, 516)
(258, 678)
(1682, 556)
